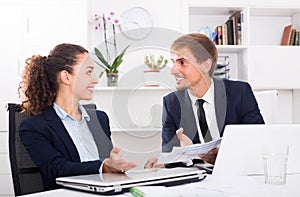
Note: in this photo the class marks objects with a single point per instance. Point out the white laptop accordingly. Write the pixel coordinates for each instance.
(113, 183)
(241, 148)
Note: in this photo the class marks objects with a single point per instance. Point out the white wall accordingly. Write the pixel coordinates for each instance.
(165, 14)
(16, 43)
(30, 27)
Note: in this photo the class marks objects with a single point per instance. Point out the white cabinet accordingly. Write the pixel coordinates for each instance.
(260, 59)
(274, 67)
(138, 144)
(135, 119)
(129, 108)
(48, 23)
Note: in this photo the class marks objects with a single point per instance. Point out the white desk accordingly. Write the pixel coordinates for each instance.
(253, 186)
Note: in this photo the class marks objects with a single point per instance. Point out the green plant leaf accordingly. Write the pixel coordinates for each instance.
(102, 59)
(118, 60)
(101, 74)
(102, 66)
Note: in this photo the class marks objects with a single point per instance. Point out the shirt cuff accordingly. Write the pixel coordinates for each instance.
(101, 167)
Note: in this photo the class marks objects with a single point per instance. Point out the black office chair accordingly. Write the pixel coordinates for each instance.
(26, 176)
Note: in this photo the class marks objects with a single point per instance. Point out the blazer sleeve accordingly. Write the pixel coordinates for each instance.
(170, 123)
(250, 110)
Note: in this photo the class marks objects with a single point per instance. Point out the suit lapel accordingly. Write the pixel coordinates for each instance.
(220, 103)
(188, 121)
(102, 141)
(57, 126)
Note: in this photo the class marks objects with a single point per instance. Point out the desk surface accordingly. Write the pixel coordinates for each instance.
(214, 186)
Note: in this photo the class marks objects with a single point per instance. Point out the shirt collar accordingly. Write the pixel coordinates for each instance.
(62, 114)
(208, 96)
(84, 113)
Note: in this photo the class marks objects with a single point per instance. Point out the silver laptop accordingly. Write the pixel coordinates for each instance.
(113, 183)
(241, 148)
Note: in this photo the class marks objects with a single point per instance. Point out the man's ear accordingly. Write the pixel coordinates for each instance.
(64, 77)
(206, 65)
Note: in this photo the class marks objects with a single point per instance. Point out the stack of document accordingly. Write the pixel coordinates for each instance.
(184, 154)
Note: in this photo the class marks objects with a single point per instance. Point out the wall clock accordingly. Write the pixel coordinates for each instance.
(136, 23)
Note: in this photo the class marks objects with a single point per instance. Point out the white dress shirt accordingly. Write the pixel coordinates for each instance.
(210, 112)
(80, 133)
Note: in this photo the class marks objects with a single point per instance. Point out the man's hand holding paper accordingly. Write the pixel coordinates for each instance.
(206, 151)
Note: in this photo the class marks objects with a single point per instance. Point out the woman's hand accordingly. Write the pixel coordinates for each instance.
(116, 163)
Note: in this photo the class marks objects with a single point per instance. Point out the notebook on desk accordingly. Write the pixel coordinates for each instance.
(113, 183)
(241, 149)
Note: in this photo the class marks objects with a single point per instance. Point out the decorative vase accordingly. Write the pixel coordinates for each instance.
(151, 77)
(112, 79)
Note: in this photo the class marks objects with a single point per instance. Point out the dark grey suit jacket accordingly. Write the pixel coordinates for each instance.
(234, 104)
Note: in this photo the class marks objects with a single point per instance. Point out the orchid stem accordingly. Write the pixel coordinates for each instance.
(105, 39)
(115, 43)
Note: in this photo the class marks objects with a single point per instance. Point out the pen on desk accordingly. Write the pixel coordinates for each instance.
(152, 191)
(136, 192)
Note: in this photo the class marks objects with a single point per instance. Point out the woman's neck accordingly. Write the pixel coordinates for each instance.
(70, 106)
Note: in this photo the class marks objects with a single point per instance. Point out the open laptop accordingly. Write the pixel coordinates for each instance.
(113, 183)
(241, 149)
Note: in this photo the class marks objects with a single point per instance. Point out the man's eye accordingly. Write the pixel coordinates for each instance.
(182, 62)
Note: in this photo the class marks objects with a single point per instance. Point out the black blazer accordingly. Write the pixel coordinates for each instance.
(52, 149)
(234, 104)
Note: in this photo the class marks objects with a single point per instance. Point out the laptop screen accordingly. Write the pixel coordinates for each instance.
(241, 148)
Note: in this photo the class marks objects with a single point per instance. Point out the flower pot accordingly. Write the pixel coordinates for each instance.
(112, 79)
(151, 77)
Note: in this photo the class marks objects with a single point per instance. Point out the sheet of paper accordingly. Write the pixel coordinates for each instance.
(184, 154)
(197, 149)
(174, 157)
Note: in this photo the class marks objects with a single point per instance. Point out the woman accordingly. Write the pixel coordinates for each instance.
(62, 138)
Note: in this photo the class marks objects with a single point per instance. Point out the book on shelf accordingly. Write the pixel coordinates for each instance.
(286, 36)
(230, 33)
(236, 19)
(224, 34)
(230, 36)
(239, 27)
(292, 38)
(297, 38)
(219, 40)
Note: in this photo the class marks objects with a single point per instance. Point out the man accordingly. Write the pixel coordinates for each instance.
(222, 102)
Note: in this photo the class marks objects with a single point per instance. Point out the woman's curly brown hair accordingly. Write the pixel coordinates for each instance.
(39, 83)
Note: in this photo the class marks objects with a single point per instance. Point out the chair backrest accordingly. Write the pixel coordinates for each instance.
(26, 176)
